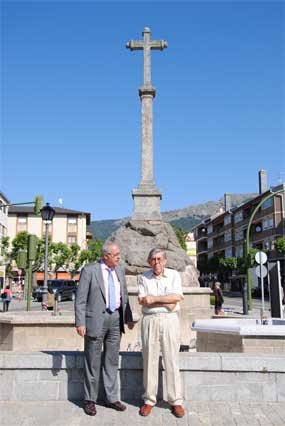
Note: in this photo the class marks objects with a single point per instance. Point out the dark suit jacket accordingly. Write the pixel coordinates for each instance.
(90, 302)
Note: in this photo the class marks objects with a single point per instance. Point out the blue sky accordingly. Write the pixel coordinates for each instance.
(70, 109)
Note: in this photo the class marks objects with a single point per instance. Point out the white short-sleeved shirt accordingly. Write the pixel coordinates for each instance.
(150, 285)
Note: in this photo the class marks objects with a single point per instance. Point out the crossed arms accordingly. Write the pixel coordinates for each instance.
(168, 301)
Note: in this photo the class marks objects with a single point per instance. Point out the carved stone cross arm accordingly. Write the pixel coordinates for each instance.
(146, 45)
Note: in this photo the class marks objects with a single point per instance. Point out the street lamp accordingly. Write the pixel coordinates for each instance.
(47, 213)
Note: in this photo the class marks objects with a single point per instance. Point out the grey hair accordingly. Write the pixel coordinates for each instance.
(154, 251)
(106, 248)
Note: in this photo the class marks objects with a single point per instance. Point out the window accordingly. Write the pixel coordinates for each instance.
(268, 222)
(210, 242)
(239, 251)
(267, 204)
(238, 235)
(228, 235)
(227, 219)
(71, 239)
(22, 223)
(238, 217)
(71, 225)
(228, 252)
(210, 229)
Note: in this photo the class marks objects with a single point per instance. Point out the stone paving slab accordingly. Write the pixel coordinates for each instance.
(67, 413)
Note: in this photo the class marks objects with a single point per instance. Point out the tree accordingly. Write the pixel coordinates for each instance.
(279, 244)
(20, 242)
(229, 263)
(60, 255)
(181, 236)
(94, 248)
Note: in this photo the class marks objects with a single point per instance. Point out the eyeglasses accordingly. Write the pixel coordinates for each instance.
(114, 254)
(156, 259)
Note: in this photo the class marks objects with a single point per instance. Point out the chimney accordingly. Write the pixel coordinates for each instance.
(227, 201)
(262, 176)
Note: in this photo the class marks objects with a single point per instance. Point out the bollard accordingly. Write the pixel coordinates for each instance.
(244, 298)
(55, 306)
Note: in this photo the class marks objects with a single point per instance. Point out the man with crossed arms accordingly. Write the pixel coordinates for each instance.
(159, 292)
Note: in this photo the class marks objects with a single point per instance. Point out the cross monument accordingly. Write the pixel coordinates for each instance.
(146, 196)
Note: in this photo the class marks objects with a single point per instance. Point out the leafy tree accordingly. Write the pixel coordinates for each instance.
(181, 236)
(94, 248)
(60, 254)
(20, 242)
(279, 244)
(229, 263)
(4, 247)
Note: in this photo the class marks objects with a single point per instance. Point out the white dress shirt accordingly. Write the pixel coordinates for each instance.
(150, 285)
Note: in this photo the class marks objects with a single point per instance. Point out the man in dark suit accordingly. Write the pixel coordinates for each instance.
(101, 310)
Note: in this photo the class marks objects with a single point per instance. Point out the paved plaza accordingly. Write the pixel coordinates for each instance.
(198, 414)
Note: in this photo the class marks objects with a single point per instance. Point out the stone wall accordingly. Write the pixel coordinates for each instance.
(55, 376)
(34, 331)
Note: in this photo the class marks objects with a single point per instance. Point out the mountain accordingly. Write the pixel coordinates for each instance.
(185, 218)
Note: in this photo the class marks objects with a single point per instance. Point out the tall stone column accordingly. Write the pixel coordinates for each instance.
(147, 196)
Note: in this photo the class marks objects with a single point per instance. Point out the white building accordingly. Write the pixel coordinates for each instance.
(68, 226)
(191, 247)
(3, 233)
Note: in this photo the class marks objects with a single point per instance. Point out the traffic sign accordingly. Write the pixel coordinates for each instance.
(261, 270)
(261, 257)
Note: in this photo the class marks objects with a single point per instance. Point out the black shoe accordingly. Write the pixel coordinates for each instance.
(117, 405)
(90, 408)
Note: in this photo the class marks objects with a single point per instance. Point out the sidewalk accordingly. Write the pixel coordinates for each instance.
(67, 413)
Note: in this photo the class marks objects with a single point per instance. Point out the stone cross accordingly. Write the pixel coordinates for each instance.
(146, 45)
(146, 196)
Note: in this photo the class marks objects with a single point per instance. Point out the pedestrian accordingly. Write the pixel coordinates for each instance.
(219, 298)
(159, 292)
(6, 297)
(101, 309)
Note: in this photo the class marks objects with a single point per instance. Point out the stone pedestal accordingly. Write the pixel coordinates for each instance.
(36, 331)
(239, 335)
(196, 304)
(146, 203)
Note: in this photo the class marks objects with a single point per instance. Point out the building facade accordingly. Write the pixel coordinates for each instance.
(3, 233)
(68, 226)
(223, 234)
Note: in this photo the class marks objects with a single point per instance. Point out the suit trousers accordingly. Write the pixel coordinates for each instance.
(94, 359)
(161, 332)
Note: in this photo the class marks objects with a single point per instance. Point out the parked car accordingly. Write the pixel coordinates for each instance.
(63, 290)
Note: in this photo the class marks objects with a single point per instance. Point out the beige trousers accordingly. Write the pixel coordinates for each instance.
(161, 332)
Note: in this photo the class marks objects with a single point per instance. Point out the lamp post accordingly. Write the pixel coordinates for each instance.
(47, 213)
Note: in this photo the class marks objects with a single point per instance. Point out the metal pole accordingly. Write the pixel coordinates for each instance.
(45, 288)
(244, 298)
(262, 291)
(29, 284)
(249, 281)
